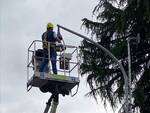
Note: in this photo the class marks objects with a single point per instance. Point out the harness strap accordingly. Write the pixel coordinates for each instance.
(45, 42)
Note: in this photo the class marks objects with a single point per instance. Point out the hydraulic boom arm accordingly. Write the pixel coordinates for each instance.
(54, 99)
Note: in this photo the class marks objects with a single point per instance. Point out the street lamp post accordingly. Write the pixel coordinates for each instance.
(129, 76)
(129, 70)
(126, 88)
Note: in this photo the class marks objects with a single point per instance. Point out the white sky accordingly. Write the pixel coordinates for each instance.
(21, 22)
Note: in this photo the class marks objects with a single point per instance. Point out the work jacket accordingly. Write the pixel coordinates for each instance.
(49, 36)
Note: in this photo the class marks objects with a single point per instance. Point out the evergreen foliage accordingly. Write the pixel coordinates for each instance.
(118, 20)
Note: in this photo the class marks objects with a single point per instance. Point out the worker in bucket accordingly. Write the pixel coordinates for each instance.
(49, 39)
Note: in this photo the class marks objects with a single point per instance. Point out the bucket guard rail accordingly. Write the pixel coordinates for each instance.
(65, 80)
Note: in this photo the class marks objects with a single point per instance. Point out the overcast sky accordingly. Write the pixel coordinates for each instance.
(21, 22)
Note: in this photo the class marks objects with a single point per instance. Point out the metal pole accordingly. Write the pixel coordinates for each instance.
(129, 70)
(35, 57)
(126, 89)
(129, 75)
(49, 59)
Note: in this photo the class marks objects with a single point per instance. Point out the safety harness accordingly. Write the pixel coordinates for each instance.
(45, 40)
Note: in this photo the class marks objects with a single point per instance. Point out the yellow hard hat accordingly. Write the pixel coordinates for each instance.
(50, 25)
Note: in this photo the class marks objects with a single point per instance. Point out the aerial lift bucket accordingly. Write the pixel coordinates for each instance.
(63, 79)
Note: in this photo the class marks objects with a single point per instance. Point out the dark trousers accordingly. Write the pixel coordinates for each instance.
(53, 58)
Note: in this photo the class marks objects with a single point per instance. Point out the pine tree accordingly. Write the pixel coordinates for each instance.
(118, 20)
